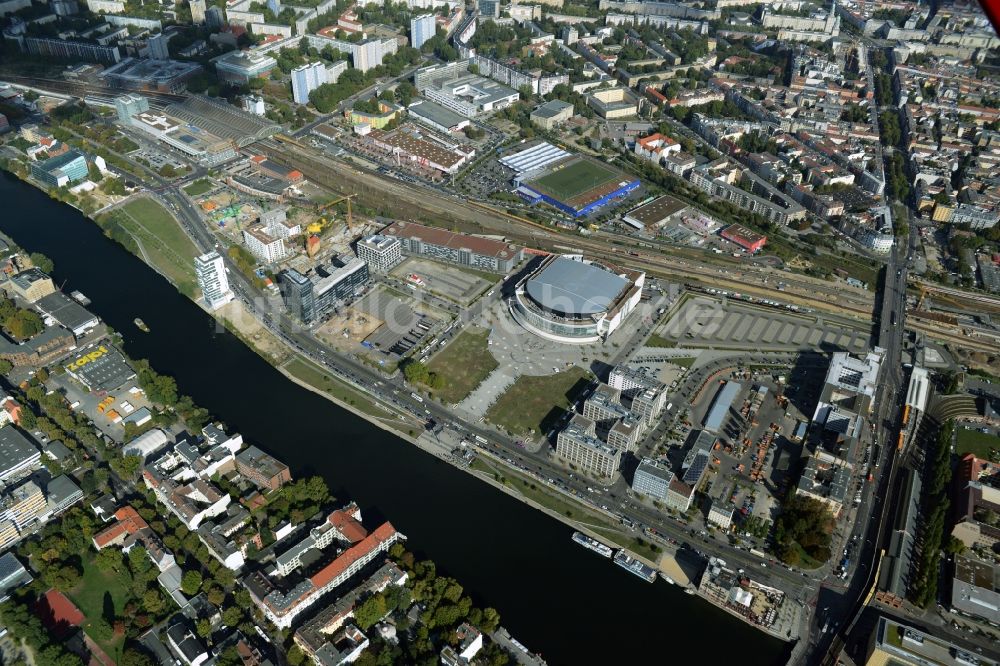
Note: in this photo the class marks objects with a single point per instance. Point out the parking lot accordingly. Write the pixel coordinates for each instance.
(708, 322)
(450, 282)
(404, 323)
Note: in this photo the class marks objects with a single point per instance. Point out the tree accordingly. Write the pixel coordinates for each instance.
(232, 616)
(5, 366)
(133, 657)
(191, 582)
(41, 262)
(370, 611)
(295, 655)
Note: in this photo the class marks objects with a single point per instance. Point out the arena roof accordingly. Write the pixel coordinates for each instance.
(538, 156)
(574, 288)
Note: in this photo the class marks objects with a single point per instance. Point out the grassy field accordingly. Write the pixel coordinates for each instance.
(199, 186)
(322, 380)
(89, 596)
(973, 441)
(463, 364)
(657, 341)
(163, 240)
(537, 403)
(575, 179)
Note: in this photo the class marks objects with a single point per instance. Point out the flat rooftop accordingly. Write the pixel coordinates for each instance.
(657, 211)
(434, 236)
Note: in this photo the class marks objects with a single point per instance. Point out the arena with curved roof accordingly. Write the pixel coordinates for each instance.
(574, 300)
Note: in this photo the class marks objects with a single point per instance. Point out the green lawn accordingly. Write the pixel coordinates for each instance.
(89, 596)
(657, 341)
(463, 364)
(199, 186)
(973, 441)
(324, 381)
(537, 403)
(576, 178)
(163, 240)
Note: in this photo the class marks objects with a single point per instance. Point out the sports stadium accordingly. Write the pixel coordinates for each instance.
(576, 185)
(573, 300)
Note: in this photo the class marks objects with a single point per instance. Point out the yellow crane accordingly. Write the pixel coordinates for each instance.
(328, 204)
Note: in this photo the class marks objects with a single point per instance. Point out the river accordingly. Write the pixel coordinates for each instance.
(557, 598)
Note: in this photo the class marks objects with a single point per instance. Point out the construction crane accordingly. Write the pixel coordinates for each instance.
(347, 198)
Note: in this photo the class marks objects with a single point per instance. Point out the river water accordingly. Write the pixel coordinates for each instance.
(559, 599)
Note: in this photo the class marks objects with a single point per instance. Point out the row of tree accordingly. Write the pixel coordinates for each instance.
(937, 477)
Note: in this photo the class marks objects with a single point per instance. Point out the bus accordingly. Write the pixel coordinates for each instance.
(416, 397)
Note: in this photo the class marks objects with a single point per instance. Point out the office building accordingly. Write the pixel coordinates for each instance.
(23, 505)
(130, 105)
(30, 284)
(17, 454)
(197, 11)
(422, 28)
(312, 298)
(489, 8)
(550, 114)
(654, 479)
(896, 644)
(65, 169)
(240, 67)
(460, 249)
(215, 18)
(210, 270)
(263, 470)
(471, 95)
(381, 253)
(577, 444)
(158, 47)
(975, 588)
(305, 79)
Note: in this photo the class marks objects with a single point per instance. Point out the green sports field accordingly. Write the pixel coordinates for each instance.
(574, 179)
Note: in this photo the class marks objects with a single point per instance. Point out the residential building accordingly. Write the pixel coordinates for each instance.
(282, 606)
(17, 454)
(264, 246)
(65, 169)
(12, 575)
(210, 269)
(130, 105)
(158, 46)
(460, 249)
(305, 79)
(127, 523)
(197, 11)
(23, 505)
(381, 253)
(310, 298)
(422, 28)
(655, 147)
(578, 445)
(69, 50)
(316, 635)
(262, 469)
(827, 479)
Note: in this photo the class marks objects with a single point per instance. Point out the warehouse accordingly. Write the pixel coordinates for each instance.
(100, 368)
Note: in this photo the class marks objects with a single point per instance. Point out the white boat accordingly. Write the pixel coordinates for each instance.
(667, 578)
(592, 544)
(634, 566)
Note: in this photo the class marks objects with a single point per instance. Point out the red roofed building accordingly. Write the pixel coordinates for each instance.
(655, 147)
(11, 411)
(749, 240)
(128, 522)
(282, 606)
(347, 524)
